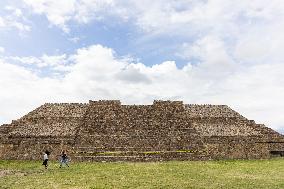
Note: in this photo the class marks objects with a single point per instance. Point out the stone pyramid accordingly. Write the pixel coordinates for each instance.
(106, 130)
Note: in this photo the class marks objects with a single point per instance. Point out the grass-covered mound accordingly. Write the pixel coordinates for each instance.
(188, 174)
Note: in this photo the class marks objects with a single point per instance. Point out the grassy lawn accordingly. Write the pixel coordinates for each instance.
(254, 174)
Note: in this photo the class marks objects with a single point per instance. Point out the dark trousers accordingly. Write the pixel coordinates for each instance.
(45, 163)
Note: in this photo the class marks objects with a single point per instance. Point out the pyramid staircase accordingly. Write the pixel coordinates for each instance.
(114, 132)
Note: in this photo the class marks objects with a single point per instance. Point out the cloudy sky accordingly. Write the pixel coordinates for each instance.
(198, 51)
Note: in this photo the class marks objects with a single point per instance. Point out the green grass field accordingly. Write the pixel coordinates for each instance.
(254, 174)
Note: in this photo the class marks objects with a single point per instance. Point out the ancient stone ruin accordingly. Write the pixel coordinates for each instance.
(165, 130)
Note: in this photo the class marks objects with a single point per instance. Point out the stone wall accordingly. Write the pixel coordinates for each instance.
(50, 127)
(224, 127)
(236, 147)
(110, 131)
(213, 111)
(59, 119)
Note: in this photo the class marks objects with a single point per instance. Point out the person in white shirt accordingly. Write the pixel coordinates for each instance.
(45, 159)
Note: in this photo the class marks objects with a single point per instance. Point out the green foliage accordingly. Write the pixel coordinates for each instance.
(173, 174)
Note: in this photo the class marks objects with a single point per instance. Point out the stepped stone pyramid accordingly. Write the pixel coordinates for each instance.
(106, 130)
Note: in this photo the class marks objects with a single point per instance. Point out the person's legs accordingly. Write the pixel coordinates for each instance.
(45, 163)
(66, 162)
(61, 163)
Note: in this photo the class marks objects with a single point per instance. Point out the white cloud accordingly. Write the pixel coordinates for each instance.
(17, 86)
(235, 48)
(96, 73)
(87, 10)
(59, 13)
(53, 60)
(250, 31)
(27, 60)
(74, 39)
(210, 50)
(17, 12)
(188, 17)
(261, 44)
(14, 20)
(2, 22)
(2, 49)
(56, 62)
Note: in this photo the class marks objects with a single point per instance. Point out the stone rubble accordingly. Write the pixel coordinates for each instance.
(106, 130)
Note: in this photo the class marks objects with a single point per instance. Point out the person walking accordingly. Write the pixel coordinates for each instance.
(64, 159)
(45, 159)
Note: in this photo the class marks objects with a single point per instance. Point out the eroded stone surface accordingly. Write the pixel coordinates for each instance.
(110, 131)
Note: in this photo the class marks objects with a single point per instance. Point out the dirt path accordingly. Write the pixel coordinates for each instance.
(5, 172)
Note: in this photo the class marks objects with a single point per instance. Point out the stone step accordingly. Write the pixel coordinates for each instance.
(102, 153)
(95, 149)
(143, 155)
(138, 158)
(110, 158)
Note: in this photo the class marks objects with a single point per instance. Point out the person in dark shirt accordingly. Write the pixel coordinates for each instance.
(64, 159)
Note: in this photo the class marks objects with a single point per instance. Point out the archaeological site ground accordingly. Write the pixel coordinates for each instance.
(216, 174)
(109, 131)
